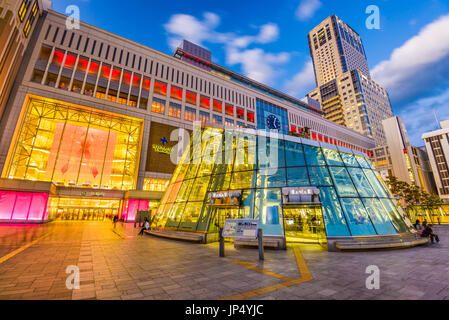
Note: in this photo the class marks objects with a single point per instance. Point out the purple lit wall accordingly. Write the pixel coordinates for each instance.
(23, 206)
(131, 206)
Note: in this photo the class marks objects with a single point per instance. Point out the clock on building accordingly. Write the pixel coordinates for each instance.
(273, 123)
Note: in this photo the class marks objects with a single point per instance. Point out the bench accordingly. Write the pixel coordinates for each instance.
(177, 235)
(383, 243)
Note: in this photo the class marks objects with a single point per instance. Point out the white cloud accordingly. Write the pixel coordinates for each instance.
(183, 26)
(256, 63)
(307, 9)
(303, 82)
(418, 65)
(419, 115)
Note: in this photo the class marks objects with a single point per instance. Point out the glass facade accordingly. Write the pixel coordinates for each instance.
(75, 146)
(352, 199)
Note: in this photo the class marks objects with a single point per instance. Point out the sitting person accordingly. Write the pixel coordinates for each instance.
(146, 226)
(428, 233)
(418, 225)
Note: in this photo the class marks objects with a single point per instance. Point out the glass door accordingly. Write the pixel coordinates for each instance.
(304, 225)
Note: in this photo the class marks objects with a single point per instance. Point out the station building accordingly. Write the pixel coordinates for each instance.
(86, 130)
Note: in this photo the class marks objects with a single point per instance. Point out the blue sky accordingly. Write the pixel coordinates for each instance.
(267, 40)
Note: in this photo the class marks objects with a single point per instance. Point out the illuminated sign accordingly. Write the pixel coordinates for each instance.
(225, 198)
(92, 194)
(161, 149)
(300, 195)
(241, 228)
(224, 194)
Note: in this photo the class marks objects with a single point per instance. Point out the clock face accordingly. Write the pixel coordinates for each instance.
(273, 122)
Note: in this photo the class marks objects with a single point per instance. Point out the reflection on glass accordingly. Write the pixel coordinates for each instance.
(271, 179)
(333, 215)
(294, 154)
(379, 216)
(345, 188)
(314, 156)
(333, 157)
(361, 182)
(243, 180)
(349, 160)
(357, 217)
(320, 176)
(375, 183)
(268, 209)
(395, 217)
(271, 153)
(297, 177)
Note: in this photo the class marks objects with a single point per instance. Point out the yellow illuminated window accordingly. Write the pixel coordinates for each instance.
(158, 106)
(75, 146)
(26, 29)
(23, 9)
(151, 184)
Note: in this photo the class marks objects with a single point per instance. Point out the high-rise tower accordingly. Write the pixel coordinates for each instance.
(345, 89)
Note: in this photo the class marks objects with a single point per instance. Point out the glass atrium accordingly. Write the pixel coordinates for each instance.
(299, 190)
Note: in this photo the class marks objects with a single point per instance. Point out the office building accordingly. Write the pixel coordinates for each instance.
(17, 23)
(399, 158)
(345, 90)
(437, 145)
(335, 49)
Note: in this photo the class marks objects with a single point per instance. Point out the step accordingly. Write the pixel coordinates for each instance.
(385, 243)
(177, 235)
(271, 243)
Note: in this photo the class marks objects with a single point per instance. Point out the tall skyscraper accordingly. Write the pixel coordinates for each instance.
(347, 93)
(335, 49)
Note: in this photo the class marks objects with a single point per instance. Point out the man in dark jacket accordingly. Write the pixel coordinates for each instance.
(428, 233)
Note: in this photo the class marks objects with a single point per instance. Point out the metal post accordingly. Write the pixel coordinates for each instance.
(260, 241)
(222, 254)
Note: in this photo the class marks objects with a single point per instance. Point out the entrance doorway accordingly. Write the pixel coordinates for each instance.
(220, 215)
(83, 209)
(304, 224)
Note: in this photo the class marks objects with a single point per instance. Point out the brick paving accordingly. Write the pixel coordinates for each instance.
(117, 264)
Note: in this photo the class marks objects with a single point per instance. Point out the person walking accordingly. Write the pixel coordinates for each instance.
(114, 220)
(146, 226)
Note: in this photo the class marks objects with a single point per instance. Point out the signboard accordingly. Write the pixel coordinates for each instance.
(225, 198)
(305, 195)
(241, 228)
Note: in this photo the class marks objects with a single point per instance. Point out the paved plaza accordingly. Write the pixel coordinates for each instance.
(118, 264)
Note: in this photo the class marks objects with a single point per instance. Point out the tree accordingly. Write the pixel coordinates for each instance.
(412, 197)
(431, 202)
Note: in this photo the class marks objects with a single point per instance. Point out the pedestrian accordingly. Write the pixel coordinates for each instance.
(114, 220)
(428, 232)
(146, 226)
(424, 224)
